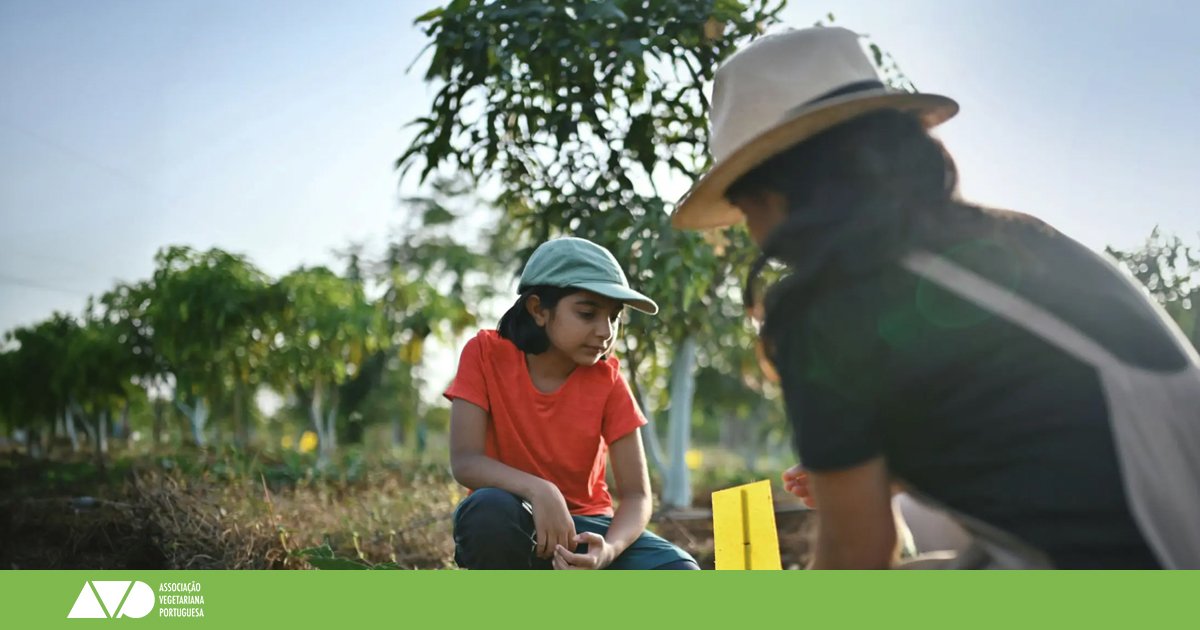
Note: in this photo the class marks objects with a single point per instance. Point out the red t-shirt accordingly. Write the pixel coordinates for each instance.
(561, 437)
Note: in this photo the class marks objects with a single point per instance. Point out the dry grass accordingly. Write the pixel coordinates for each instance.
(221, 511)
(204, 510)
(243, 524)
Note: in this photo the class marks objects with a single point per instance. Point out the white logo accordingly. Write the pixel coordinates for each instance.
(112, 599)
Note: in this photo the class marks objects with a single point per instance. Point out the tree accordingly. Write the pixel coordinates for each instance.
(40, 383)
(209, 313)
(96, 371)
(125, 308)
(579, 112)
(326, 332)
(1170, 271)
(10, 412)
(64, 371)
(435, 284)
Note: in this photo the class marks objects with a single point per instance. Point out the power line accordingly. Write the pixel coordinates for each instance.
(65, 149)
(31, 284)
(52, 259)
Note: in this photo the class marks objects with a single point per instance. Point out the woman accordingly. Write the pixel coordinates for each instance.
(986, 363)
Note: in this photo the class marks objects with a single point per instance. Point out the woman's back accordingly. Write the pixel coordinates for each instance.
(970, 408)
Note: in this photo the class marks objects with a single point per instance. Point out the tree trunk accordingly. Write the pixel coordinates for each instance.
(678, 491)
(323, 423)
(200, 421)
(102, 433)
(654, 452)
(158, 422)
(314, 412)
(328, 442)
(397, 431)
(69, 424)
(197, 416)
(88, 428)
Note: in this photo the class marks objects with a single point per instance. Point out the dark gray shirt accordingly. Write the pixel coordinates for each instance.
(968, 408)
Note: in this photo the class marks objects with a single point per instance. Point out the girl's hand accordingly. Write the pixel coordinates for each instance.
(795, 481)
(552, 521)
(599, 554)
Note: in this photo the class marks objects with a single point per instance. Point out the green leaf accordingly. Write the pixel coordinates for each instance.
(437, 215)
(602, 11)
(430, 15)
(337, 564)
(322, 557)
(309, 553)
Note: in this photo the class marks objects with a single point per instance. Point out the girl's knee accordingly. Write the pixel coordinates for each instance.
(491, 513)
(492, 498)
(492, 530)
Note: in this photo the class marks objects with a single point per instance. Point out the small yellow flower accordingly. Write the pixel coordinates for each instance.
(287, 442)
(308, 442)
(693, 458)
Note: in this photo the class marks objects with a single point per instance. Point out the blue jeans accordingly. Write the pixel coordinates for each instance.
(493, 529)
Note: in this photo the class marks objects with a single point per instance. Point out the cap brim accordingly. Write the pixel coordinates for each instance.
(705, 205)
(624, 294)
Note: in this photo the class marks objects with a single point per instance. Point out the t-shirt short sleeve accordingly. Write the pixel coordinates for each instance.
(621, 412)
(833, 371)
(468, 383)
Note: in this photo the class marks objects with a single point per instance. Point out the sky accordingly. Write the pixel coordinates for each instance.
(271, 128)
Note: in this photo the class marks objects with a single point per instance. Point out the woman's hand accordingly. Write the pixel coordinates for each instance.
(795, 481)
(599, 554)
(552, 520)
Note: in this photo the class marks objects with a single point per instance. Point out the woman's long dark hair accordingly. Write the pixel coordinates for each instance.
(859, 195)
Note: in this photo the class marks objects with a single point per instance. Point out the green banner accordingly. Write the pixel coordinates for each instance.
(729, 599)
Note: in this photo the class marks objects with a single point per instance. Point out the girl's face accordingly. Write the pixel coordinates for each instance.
(581, 327)
(764, 211)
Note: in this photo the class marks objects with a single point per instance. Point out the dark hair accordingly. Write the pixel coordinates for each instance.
(854, 192)
(859, 195)
(517, 324)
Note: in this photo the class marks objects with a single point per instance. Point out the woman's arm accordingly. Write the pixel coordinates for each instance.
(473, 469)
(855, 526)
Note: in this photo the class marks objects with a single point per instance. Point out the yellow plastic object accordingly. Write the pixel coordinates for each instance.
(744, 528)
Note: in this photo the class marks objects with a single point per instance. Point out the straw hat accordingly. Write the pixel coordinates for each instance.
(779, 91)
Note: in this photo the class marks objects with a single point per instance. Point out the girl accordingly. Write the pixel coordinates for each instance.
(536, 407)
(985, 362)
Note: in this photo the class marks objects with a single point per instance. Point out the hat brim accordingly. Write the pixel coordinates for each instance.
(623, 294)
(705, 205)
